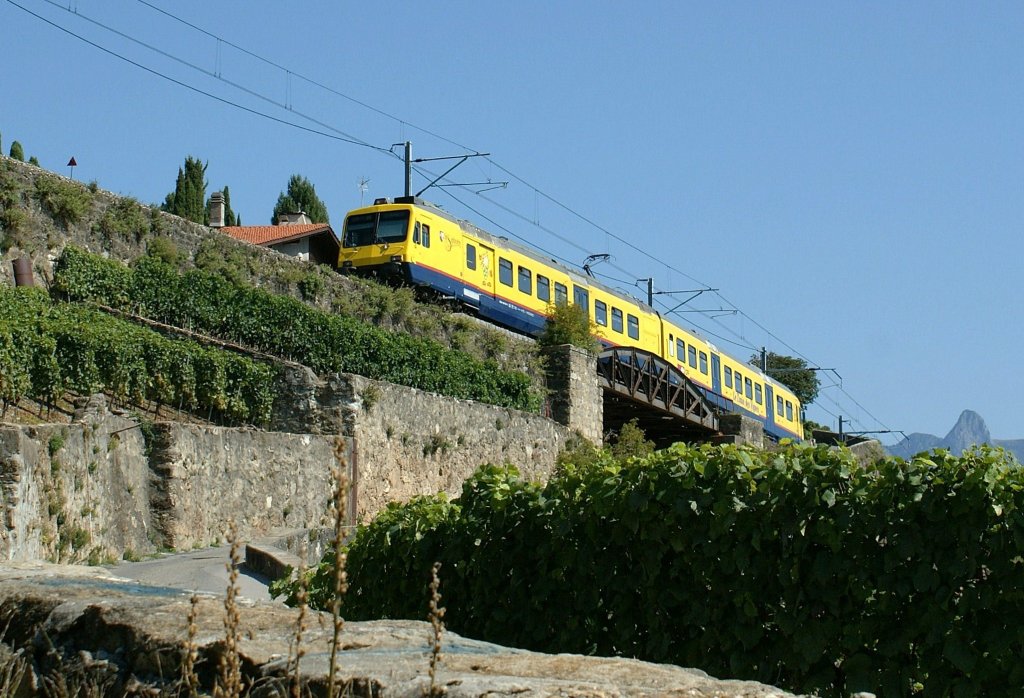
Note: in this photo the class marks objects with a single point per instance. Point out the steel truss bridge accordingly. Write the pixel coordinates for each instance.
(667, 405)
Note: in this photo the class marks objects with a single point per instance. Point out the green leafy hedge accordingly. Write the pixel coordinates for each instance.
(286, 327)
(47, 349)
(799, 568)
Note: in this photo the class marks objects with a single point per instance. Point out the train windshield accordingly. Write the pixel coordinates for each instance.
(370, 228)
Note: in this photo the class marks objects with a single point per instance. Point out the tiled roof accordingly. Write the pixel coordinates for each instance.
(272, 234)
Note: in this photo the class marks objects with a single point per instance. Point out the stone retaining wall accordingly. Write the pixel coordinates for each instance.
(74, 493)
(408, 441)
(206, 476)
(92, 491)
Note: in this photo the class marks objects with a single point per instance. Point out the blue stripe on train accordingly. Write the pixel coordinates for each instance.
(496, 309)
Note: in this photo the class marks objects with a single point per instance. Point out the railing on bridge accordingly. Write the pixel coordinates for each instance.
(648, 379)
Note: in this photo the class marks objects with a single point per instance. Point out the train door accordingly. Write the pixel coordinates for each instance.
(485, 267)
(769, 396)
(716, 373)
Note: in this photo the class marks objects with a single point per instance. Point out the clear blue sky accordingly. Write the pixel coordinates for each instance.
(849, 175)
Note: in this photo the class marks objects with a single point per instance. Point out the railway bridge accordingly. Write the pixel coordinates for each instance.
(665, 403)
(598, 394)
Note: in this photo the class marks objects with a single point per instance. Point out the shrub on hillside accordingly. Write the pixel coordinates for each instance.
(799, 567)
(66, 202)
(568, 324)
(284, 326)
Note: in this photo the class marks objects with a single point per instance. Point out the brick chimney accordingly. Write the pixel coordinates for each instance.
(217, 210)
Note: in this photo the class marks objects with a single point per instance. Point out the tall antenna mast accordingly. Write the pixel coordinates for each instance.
(408, 168)
(363, 181)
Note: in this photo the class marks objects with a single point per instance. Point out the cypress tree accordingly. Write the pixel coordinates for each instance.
(17, 152)
(188, 199)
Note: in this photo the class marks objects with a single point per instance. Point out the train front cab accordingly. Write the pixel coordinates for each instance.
(375, 242)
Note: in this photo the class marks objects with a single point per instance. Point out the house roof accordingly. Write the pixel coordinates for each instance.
(274, 234)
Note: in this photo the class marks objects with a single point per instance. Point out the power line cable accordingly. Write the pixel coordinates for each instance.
(349, 138)
(190, 87)
(300, 76)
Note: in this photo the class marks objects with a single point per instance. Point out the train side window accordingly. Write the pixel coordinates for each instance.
(470, 256)
(581, 297)
(681, 350)
(728, 377)
(748, 386)
(543, 288)
(757, 393)
(671, 345)
(738, 383)
(692, 355)
(416, 233)
(789, 410)
(504, 271)
(704, 363)
(601, 313)
(617, 320)
(426, 235)
(561, 294)
(779, 410)
(525, 281)
(633, 326)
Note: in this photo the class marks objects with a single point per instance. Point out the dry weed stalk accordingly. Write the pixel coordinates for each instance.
(339, 510)
(302, 598)
(229, 683)
(436, 616)
(12, 675)
(188, 670)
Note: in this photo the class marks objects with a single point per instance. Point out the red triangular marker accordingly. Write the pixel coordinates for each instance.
(72, 163)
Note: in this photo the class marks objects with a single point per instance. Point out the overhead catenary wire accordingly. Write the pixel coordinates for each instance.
(333, 133)
(185, 85)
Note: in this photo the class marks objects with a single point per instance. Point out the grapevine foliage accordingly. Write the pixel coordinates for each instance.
(286, 327)
(799, 568)
(47, 349)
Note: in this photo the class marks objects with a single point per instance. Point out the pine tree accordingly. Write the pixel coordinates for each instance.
(188, 199)
(34, 161)
(300, 196)
(17, 152)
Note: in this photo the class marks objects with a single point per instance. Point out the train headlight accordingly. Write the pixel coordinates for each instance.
(347, 264)
(396, 258)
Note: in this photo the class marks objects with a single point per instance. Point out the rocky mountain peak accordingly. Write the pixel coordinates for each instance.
(970, 429)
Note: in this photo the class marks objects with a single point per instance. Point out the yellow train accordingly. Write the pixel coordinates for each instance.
(413, 241)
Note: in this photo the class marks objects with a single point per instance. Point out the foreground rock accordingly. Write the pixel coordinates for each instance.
(81, 624)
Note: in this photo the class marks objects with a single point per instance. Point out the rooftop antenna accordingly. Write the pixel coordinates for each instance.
(363, 181)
